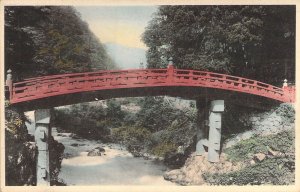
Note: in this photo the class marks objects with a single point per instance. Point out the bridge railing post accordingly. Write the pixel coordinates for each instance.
(170, 70)
(9, 83)
(289, 91)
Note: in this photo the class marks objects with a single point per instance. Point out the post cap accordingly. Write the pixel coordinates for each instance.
(170, 61)
(285, 83)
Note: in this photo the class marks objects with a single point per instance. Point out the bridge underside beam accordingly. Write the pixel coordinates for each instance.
(42, 134)
(192, 93)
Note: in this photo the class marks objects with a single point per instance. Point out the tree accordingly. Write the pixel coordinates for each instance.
(45, 40)
(257, 42)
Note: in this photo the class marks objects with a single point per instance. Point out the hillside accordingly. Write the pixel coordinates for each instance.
(44, 40)
(265, 154)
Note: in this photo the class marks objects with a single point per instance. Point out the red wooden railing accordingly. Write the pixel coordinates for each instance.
(47, 86)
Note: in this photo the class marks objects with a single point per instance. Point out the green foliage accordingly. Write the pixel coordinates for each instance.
(82, 119)
(283, 142)
(132, 135)
(90, 120)
(7, 103)
(114, 112)
(56, 151)
(20, 154)
(134, 138)
(286, 111)
(44, 40)
(247, 41)
(276, 171)
(156, 114)
(163, 148)
(235, 120)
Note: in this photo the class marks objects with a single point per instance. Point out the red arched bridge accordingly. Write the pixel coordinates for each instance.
(42, 93)
(139, 82)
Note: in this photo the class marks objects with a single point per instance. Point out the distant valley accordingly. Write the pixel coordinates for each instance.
(126, 57)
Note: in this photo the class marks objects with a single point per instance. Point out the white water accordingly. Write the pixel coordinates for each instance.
(116, 167)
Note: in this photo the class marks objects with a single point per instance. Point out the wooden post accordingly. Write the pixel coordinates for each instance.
(170, 70)
(9, 83)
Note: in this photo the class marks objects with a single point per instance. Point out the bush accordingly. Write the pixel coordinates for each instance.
(276, 171)
(286, 111)
(20, 153)
(88, 120)
(235, 120)
(133, 138)
(156, 114)
(164, 148)
(283, 142)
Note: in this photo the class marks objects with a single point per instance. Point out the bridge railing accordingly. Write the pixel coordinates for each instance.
(39, 87)
(228, 82)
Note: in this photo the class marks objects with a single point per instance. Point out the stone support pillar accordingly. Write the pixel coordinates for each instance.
(209, 118)
(215, 119)
(42, 134)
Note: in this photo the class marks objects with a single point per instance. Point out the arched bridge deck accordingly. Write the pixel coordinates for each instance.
(138, 82)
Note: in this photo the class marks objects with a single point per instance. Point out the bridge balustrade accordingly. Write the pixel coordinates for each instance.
(46, 86)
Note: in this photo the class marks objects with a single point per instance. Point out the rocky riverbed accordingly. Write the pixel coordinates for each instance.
(112, 165)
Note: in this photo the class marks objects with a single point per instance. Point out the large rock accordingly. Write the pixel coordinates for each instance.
(174, 160)
(96, 152)
(259, 157)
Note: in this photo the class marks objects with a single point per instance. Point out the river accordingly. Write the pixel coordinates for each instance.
(116, 166)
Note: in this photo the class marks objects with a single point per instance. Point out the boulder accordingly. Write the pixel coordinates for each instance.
(74, 144)
(259, 157)
(67, 155)
(273, 153)
(101, 149)
(96, 152)
(174, 160)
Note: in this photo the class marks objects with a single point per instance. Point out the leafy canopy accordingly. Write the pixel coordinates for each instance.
(251, 41)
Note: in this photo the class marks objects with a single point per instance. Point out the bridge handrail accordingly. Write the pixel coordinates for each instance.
(171, 75)
(225, 76)
(89, 73)
(210, 75)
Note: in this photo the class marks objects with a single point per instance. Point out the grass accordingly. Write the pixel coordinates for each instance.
(276, 170)
(283, 142)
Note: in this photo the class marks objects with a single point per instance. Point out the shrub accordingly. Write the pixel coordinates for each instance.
(163, 148)
(287, 111)
(130, 136)
(276, 171)
(283, 142)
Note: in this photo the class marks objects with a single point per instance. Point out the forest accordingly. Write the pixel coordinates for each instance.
(50, 40)
(257, 42)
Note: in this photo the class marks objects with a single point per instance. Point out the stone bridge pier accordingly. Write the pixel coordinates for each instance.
(42, 134)
(209, 120)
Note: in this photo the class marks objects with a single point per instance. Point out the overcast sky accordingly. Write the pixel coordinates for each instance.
(118, 24)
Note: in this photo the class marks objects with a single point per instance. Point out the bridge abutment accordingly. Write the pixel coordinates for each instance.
(209, 118)
(42, 134)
